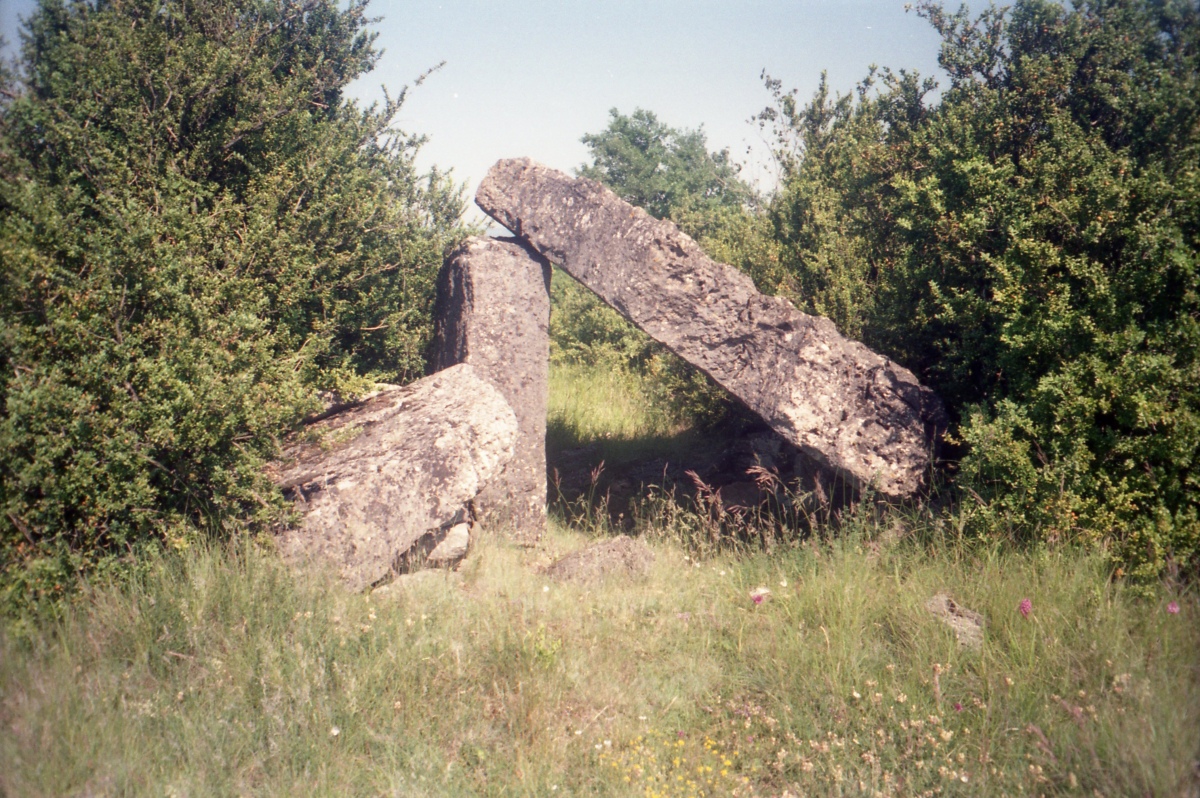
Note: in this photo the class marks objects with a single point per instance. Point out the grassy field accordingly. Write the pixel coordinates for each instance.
(219, 672)
(603, 405)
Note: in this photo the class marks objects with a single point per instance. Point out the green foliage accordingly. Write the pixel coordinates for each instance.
(198, 233)
(671, 174)
(1029, 244)
(586, 331)
(666, 171)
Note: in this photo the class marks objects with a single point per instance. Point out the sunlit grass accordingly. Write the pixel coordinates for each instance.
(601, 404)
(220, 672)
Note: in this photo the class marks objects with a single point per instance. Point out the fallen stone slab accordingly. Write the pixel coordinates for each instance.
(374, 479)
(493, 312)
(850, 410)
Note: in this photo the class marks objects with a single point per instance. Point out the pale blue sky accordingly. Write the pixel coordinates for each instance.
(530, 78)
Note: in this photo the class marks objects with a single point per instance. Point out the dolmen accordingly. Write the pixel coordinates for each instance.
(401, 478)
(854, 413)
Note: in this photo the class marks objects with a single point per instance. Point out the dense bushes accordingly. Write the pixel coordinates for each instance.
(198, 233)
(1029, 244)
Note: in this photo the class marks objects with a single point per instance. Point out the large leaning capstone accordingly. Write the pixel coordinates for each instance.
(374, 479)
(493, 311)
(849, 409)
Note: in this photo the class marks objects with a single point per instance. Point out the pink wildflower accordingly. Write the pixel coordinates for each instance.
(957, 707)
(1173, 608)
(1025, 607)
(759, 594)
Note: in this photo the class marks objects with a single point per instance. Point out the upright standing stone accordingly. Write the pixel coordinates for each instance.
(493, 312)
(846, 407)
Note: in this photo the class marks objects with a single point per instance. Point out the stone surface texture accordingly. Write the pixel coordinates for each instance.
(850, 410)
(619, 556)
(967, 624)
(453, 547)
(493, 312)
(375, 478)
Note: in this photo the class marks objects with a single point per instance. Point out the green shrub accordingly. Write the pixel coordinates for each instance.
(198, 233)
(1029, 245)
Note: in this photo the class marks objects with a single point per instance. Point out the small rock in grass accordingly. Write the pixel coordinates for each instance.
(620, 555)
(453, 547)
(967, 624)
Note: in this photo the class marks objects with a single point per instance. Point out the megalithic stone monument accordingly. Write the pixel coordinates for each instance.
(852, 411)
(375, 479)
(493, 312)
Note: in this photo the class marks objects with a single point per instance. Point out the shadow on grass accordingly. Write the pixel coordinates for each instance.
(733, 486)
(618, 461)
(620, 466)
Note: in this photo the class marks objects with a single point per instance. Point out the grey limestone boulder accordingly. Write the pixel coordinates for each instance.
(493, 312)
(850, 410)
(967, 624)
(374, 479)
(453, 546)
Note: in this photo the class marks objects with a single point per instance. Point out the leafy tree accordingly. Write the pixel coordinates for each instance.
(1029, 244)
(830, 217)
(666, 171)
(198, 233)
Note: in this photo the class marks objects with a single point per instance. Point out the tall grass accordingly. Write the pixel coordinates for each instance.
(220, 672)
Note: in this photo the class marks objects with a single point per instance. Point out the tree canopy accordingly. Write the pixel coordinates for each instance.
(662, 169)
(1030, 244)
(199, 233)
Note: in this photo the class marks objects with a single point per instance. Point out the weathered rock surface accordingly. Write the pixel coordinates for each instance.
(621, 555)
(493, 312)
(852, 411)
(967, 624)
(453, 547)
(374, 479)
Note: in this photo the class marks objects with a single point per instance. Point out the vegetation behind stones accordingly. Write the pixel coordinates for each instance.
(199, 234)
